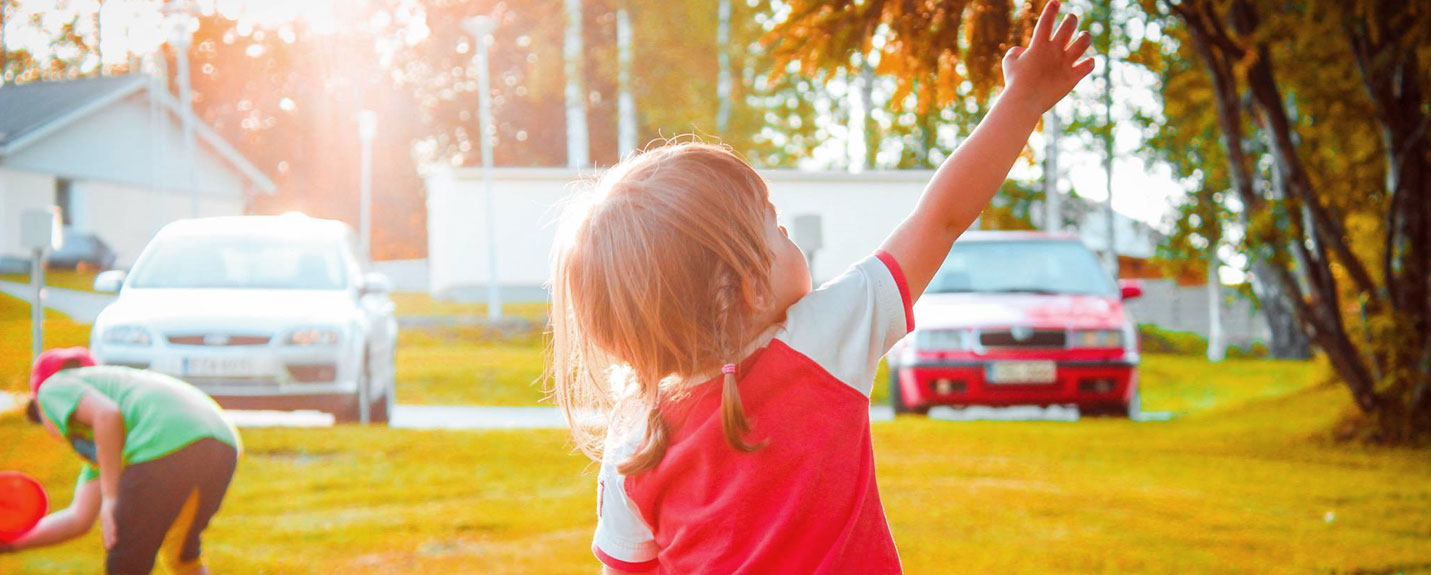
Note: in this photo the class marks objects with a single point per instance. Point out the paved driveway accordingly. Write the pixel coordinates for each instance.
(81, 306)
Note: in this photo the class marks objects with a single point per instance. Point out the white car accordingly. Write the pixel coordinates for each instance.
(260, 312)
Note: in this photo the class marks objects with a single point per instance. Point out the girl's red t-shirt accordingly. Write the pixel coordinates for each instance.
(805, 503)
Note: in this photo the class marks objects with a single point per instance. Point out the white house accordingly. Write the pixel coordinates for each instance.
(110, 152)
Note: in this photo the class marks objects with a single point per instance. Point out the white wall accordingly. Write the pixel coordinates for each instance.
(857, 211)
(127, 217)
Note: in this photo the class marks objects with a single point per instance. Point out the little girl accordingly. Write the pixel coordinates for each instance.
(728, 403)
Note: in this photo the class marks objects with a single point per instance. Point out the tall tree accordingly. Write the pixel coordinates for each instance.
(1185, 136)
(1348, 239)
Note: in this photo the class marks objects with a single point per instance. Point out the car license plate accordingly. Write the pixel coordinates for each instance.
(218, 366)
(1023, 372)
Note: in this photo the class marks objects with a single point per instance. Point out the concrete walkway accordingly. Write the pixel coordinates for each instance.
(81, 306)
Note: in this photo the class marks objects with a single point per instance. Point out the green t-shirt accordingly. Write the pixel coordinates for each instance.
(161, 414)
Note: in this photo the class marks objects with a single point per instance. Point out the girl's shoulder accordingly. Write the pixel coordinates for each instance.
(849, 322)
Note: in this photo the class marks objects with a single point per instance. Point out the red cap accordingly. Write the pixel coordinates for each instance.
(52, 360)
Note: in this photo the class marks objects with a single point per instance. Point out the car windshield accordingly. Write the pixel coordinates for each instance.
(1023, 266)
(242, 263)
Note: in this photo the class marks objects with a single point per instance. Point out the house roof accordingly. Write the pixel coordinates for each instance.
(31, 111)
(29, 108)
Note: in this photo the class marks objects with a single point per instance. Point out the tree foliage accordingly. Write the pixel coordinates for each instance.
(943, 53)
(1321, 116)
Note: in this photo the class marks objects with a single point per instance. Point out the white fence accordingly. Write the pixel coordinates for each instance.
(856, 212)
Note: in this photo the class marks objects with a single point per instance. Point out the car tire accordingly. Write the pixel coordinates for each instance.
(380, 411)
(347, 408)
(1131, 409)
(896, 395)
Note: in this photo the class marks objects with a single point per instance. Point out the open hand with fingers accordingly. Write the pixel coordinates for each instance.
(1042, 73)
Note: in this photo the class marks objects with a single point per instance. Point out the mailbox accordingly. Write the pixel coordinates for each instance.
(41, 229)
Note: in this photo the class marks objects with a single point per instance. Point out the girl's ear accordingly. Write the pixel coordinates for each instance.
(754, 297)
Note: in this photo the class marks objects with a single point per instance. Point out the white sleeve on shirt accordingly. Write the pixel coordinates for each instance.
(621, 532)
(849, 323)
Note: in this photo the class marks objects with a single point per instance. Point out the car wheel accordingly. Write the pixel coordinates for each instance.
(896, 395)
(346, 409)
(381, 409)
(1131, 409)
(349, 408)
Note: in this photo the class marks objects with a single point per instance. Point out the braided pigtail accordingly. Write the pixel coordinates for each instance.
(732, 410)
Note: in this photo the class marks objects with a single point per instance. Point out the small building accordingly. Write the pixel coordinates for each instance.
(110, 152)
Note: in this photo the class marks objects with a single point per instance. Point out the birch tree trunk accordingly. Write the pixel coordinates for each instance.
(625, 102)
(577, 147)
(871, 128)
(723, 81)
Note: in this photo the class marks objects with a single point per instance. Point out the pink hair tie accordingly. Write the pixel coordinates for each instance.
(728, 368)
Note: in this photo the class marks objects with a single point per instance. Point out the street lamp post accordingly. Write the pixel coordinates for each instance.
(480, 28)
(178, 20)
(367, 130)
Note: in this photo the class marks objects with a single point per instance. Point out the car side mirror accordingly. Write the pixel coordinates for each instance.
(1132, 289)
(109, 281)
(376, 284)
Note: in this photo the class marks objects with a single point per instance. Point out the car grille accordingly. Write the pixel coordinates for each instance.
(1038, 338)
(218, 340)
(261, 381)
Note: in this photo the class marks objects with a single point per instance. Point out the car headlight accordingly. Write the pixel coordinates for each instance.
(941, 340)
(313, 336)
(1098, 338)
(127, 335)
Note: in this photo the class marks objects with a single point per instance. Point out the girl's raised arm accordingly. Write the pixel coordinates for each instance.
(1036, 78)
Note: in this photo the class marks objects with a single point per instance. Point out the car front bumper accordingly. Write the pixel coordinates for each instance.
(246, 371)
(1086, 383)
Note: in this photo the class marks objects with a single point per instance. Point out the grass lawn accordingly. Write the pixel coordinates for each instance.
(15, 352)
(82, 280)
(1243, 486)
(421, 304)
(1242, 481)
(468, 366)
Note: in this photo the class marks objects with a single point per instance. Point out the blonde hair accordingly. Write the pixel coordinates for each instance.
(651, 282)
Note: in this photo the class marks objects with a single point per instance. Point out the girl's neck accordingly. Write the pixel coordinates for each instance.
(760, 341)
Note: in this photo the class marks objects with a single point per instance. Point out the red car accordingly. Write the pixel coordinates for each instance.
(1019, 318)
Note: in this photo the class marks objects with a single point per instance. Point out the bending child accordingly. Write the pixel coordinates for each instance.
(158, 459)
(728, 403)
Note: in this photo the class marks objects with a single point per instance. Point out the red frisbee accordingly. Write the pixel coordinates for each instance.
(22, 505)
